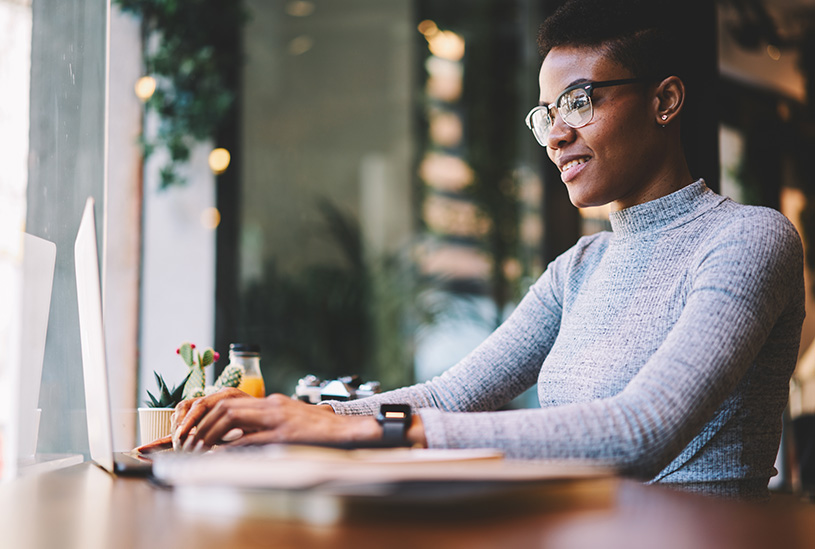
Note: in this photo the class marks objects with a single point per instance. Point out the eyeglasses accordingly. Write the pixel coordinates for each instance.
(574, 106)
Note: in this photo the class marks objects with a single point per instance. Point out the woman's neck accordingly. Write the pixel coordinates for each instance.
(671, 175)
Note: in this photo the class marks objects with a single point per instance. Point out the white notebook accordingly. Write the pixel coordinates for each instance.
(302, 467)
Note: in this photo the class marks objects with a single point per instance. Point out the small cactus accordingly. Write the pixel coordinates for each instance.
(196, 362)
(195, 385)
(230, 377)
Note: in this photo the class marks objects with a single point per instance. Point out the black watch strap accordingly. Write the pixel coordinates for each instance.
(395, 420)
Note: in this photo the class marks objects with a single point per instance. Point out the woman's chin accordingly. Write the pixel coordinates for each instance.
(581, 200)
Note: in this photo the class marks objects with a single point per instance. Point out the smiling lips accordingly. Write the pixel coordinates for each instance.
(570, 169)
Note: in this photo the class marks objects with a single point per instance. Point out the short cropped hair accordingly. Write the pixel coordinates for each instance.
(641, 35)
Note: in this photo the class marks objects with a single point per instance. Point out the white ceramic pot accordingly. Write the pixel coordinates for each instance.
(154, 423)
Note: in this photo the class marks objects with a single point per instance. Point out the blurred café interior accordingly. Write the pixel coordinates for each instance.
(348, 184)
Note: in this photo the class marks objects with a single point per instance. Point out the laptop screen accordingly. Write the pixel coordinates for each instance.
(92, 336)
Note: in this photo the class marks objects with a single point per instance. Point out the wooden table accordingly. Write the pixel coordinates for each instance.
(84, 507)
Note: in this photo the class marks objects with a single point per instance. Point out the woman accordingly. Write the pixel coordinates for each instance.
(662, 348)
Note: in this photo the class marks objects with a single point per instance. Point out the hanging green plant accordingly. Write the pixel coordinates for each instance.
(191, 49)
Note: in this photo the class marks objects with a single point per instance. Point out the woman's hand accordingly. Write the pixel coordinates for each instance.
(189, 412)
(194, 408)
(276, 418)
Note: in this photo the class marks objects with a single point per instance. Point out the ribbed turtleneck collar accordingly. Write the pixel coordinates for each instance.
(665, 212)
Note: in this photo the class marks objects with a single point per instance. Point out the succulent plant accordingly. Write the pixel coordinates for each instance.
(196, 362)
(167, 398)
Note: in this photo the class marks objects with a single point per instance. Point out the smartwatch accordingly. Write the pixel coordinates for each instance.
(395, 420)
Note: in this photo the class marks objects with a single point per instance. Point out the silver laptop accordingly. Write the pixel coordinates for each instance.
(94, 359)
(39, 260)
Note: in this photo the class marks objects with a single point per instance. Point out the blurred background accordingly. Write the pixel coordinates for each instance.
(348, 184)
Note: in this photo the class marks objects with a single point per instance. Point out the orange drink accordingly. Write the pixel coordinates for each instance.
(253, 386)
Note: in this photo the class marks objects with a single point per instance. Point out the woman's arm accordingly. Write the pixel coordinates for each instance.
(746, 285)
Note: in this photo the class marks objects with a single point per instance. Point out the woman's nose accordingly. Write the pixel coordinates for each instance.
(560, 133)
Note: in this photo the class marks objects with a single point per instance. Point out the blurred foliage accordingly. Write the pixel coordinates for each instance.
(491, 107)
(492, 98)
(191, 49)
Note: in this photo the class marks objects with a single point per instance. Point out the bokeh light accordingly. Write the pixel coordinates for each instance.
(445, 44)
(219, 160)
(300, 45)
(445, 128)
(210, 218)
(300, 8)
(145, 87)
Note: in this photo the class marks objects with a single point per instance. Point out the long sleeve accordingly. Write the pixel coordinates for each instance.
(736, 298)
(671, 359)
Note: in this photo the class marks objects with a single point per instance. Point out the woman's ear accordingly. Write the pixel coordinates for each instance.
(669, 97)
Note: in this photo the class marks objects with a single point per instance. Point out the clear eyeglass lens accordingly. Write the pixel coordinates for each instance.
(575, 108)
(540, 125)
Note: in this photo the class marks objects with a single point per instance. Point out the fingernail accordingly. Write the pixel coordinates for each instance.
(198, 446)
(233, 434)
(187, 447)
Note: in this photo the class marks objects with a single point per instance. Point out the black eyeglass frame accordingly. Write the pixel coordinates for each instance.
(589, 89)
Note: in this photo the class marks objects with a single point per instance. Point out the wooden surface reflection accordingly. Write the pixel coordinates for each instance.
(84, 507)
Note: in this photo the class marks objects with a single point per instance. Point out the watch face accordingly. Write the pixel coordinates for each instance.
(394, 413)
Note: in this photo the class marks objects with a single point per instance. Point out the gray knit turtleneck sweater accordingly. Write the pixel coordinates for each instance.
(663, 349)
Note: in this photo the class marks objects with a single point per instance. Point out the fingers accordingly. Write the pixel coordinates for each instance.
(181, 410)
(276, 418)
(190, 444)
(178, 417)
(190, 412)
(162, 443)
(248, 415)
(258, 437)
(195, 411)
